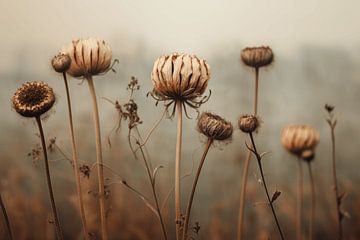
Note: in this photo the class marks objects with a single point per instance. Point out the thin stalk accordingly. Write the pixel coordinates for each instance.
(76, 161)
(258, 157)
(177, 171)
(48, 179)
(6, 217)
(299, 201)
(99, 160)
(312, 213)
(240, 227)
(191, 198)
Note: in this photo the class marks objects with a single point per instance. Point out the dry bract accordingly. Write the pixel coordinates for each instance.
(89, 57)
(214, 126)
(248, 123)
(257, 56)
(33, 99)
(61, 62)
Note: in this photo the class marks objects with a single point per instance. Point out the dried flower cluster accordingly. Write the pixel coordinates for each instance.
(214, 126)
(257, 57)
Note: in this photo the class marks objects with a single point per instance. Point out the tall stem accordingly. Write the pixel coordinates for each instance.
(191, 198)
(299, 201)
(312, 213)
(240, 227)
(258, 157)
(6, 218)
(177, 171)
(48, 179)
(99, 160)
(76, 161)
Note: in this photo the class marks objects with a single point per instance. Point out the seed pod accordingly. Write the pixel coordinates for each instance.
(89, 57)
(214, 126)
(61, 62)
(180, 77)
(300, 140)
(33, 99)
(257, 56)
(248, 123)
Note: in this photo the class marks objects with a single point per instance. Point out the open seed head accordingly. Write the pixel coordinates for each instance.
(214, 127)
(257, 57)
(61, 62)
(248, 123)
(180, 77)
(33, 99)
(300, 140)
(89, 57)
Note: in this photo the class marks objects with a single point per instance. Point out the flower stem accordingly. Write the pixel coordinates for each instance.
(191, 198)
(258, 157)
(99, 160)
(240, 227)
(312, 213)
(75, 162)
(299, 201)
(6, 217)
(48, 179)
(177, 171)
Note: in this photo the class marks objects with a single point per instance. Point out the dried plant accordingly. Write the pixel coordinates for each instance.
(6, 218)
(33, 99)
(254, 57)
(90, 57)
(61, 63)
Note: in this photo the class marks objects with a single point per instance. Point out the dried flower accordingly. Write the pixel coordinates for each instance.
(33, 99)
(300, 140)
(248, 123)
(214, 126)
(257, 56)
(61, 62)
(329, 108)
(89, 57)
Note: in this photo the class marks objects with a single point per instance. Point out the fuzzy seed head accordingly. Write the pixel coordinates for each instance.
(257, 57)
(214, 126)
(300, 140)
(180, 76)
(33, 99)
(89, 57)
(248, 123)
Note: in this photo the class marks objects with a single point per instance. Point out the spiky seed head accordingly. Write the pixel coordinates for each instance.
(248, 123)
(89, 57)
(300, 140)
(61, 62)
(180, 76)
(257, 57)
(214, 127)
(33, 99)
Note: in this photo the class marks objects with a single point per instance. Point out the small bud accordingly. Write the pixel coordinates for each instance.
(214, 126)
(257, 56)
(61, 62)
(308, 155)
(248, 123)
(329, 108)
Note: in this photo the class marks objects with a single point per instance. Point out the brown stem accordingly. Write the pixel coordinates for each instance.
(258, 157)
(76, 161)
(177, 171)
(48, 179)
(191, 198)
(312, 213)
(99, 160)
(6, 217)
(256, 90)
(299, 201)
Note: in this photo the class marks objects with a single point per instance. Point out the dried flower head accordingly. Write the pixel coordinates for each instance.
(300, 140)
(248, 123)
(33, 99)
(257, 56)
(61, 62)
(214, 126)
(329, 108)
(89, 57)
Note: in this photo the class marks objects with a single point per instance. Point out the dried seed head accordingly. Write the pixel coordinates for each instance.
(61, 62)
(300, 140)
(33, 99)
(257, 56)
(308, 155)
(180, 77)
(89, 57)
(214, 126)
(248, 123)
(329, 108)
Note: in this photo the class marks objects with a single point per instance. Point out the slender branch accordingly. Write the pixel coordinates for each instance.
(312, 213)
(6, 218)
(191, 198)
(48, 179)
(99, 159)
(76, 162)
(299, 201)
(256, 90)
(177, 171)
(258, 157)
